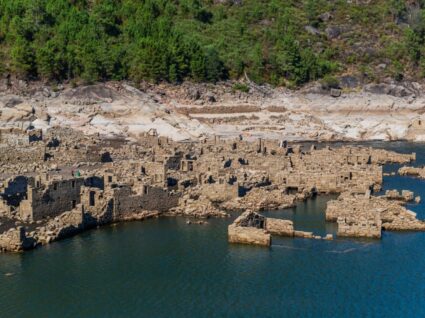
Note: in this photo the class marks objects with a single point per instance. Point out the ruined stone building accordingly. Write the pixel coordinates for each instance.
(61, 182)
(49, 198)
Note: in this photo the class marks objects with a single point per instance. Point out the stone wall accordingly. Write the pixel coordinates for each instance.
(51, 199)
(366, 216)
(73, 154)
(365, 225)
(220, 192)
(30, 154)
(14, 137)
(15, 240)
(280, 227)
(248, 235)
(122, 200)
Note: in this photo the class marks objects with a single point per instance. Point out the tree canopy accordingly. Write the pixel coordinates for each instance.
(201, 40)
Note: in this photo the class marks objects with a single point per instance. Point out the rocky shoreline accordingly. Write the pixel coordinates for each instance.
(73, 158)
(386, 111)
(64, 226)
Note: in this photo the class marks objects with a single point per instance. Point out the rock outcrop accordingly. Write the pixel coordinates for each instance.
(386, 111)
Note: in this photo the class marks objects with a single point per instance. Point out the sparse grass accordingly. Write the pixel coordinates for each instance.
(241, 87)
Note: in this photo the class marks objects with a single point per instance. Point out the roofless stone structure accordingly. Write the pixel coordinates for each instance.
(61, 182)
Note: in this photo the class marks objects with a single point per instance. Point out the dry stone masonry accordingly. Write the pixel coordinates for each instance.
(366, 216)
(255, 229)
(58, 182)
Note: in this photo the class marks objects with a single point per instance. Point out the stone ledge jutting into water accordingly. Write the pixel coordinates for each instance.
(412, 171)
(366, 216)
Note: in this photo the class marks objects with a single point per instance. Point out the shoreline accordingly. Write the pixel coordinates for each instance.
(28, 243)
(196, 221)
(62, 182)
(192, 111)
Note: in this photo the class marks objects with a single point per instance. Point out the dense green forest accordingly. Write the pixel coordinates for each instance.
(280, 42)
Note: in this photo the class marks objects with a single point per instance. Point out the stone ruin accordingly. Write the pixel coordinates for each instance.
(418, 172)
(60, 182)
(249, 228)
(367, 216)
(255, 229)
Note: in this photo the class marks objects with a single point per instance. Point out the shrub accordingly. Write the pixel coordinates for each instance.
(329, 82)
(241, 87)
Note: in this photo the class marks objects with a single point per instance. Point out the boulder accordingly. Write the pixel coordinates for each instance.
(12, 101)
(388, 89)
(325, 17)
(209, 97)
(193, 93)
(349, 81)
(335, 92)
(303, 234)
(332, 32)
(312, 30)
(329, 237)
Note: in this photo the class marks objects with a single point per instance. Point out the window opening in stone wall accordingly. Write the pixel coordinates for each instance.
(92, 198)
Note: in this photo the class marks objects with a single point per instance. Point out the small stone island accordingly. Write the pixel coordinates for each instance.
(62, 182)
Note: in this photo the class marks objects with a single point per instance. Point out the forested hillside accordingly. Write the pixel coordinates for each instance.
(280, 42)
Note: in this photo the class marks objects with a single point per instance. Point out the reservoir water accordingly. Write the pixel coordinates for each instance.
(165, 268)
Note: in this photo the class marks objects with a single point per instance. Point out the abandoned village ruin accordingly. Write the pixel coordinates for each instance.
(61, 182)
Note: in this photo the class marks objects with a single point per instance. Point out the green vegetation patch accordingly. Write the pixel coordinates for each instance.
(279, 42)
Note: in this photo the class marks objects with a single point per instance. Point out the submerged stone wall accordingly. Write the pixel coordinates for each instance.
(280, 227)
(366, 216)
(249, 228)
(366, 225)
(253, 228)
(248, 235)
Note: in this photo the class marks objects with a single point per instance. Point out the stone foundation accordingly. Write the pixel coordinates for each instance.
(366, 216)
(280, 227)
(253, 228)
(15, 240)
(248, 235)
(62, 182)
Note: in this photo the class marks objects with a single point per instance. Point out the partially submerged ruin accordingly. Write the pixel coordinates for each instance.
(418, 172)
(367, 216)
(255, 229)
(60, 182)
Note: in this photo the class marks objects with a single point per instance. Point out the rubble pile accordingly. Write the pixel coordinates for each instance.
(260, 199)
(199, 207)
